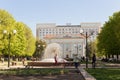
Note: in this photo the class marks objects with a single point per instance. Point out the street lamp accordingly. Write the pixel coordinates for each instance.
(9, 37)
(41, 46)
(86, 37)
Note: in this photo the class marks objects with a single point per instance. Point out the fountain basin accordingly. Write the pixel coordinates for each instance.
(51, 60)
(48, 63)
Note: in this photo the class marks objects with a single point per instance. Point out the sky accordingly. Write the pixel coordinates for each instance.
(32, 12)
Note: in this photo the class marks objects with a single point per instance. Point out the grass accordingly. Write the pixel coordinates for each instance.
(105, 73)
(35, 71)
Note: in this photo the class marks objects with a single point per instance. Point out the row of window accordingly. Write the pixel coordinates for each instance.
(45, 33)
(59, 32)
(66, 29)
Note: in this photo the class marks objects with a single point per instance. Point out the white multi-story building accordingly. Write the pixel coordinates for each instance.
(67, 35)
(45, 29)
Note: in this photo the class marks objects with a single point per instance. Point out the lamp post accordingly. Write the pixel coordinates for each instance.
(9, 37)
(86, 40)
(38, 56)
(86, 50)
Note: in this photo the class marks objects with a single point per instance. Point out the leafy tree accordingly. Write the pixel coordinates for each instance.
(92, 48)
(40, 47)
(20, 41)
(6, 23)
(30, 47)
(109, 38)
(21, 44)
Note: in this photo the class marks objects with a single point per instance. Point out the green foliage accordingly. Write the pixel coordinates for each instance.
(6, 23)
(109, 38)
(40, 46)
(92, 47)
(22, 43)
(105, 74)
(30, 48)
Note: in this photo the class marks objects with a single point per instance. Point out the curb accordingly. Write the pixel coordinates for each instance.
(86, 75)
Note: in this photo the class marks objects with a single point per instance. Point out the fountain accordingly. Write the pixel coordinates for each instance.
(48, 59)
(50, 52)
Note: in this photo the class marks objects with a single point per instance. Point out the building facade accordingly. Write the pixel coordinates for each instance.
(70, 44)
(68, 36)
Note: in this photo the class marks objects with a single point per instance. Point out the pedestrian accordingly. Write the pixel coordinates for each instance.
(23, 61)
(94, 61)
(55, 58)
(76, 61)
(2, 59)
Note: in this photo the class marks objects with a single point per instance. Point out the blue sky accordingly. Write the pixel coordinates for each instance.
(61, 12)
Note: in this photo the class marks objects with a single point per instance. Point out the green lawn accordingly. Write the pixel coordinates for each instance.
(105, 73)
(35, 71)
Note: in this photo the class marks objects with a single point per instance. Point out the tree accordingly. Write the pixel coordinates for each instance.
(40, 47)
(30, 47)
(6, 23)
(21, 44)
(109, 38)
(92, 47)
(20, 40)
